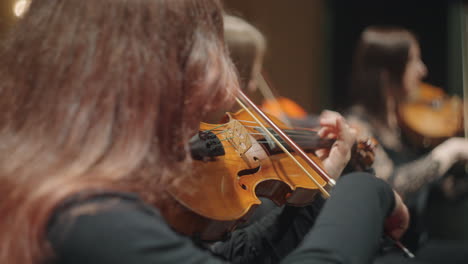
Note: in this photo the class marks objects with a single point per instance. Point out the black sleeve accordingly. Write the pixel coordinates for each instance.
(124, 230)
(120, 231)
(271, 238)
(350, 225)
(117, 230)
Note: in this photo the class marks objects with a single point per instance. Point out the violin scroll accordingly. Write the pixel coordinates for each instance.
(363, 154)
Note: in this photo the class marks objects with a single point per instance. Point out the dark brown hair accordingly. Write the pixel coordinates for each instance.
(379, 64)
(101, 95)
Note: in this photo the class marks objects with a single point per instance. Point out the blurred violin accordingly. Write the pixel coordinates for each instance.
(239, 160)
(430, 116)
(283, 108)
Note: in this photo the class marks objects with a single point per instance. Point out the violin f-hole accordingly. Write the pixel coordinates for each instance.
(250, 170)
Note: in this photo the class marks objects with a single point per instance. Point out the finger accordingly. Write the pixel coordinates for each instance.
(322, 153)
(324, 132)
(332, 135)
(346, 133)
(329, 121)
(329, 113)
(329, 117)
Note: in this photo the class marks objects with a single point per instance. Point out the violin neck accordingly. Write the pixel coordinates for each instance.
(305, 139)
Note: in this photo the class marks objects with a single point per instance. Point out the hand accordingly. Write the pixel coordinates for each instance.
(449, 152)
(397, 223)
(456, 147)
(334, 126)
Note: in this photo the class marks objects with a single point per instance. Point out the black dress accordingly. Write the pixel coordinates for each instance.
(120, 228)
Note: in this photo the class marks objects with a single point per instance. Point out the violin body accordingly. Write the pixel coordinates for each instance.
(235, 163)
(222, 191)
(431, 117)
(282, 106)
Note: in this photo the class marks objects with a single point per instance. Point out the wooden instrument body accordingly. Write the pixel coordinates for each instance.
(431, 117)
(223, 191)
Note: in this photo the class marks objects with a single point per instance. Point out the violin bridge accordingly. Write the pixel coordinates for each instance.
(238, 136)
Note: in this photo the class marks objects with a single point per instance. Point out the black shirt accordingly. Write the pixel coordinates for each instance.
(120, 228)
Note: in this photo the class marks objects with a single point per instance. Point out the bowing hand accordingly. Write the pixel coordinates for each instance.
(397, 223)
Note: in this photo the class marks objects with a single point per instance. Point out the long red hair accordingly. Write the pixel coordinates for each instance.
(101, 95)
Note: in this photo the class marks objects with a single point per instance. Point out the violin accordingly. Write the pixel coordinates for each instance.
(280, 107)
(430, 116)
(236, 162)
(283, 106)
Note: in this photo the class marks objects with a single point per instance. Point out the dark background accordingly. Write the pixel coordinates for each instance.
(310, 42)
(428, 20)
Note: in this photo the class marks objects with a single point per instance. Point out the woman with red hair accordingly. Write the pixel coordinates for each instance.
(98, 102)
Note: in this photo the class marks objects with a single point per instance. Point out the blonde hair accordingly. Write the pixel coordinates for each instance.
(246, 45)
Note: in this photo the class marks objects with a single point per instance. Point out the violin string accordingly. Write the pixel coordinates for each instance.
(215, 128)
(258, 141)
(253, 122)
(247, 121)
(321, 188)
(229, 146)
(298, 134)
(296, 128)
(222, 131)
(304, 135)
(261, 134)
(251, 126)
(298, 131)
(291, 131)
(283, 142)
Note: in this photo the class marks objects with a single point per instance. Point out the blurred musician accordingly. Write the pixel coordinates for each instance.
(387, 69)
